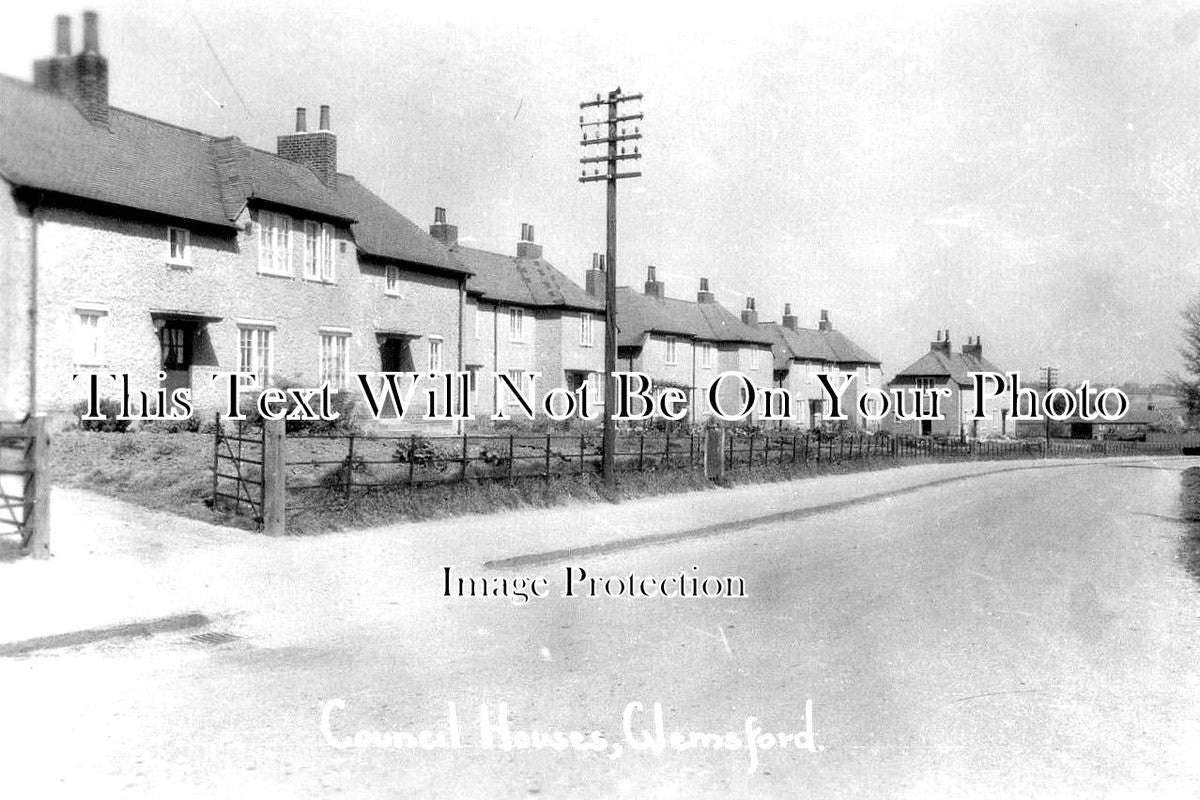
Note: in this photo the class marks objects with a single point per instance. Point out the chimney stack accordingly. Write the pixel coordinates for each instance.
(750, 313)
(942, 345)
(789, 319)
(973, 348)
(440, 230)
(595, 278)
(526, 247)
(654, 287)
(825, 324)
(82, 78)
(316, 150)
(62, 35)
(704, 295)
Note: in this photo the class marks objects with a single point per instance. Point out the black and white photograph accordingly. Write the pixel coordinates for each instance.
(558, 400)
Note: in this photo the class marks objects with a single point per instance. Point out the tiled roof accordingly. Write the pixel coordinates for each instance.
(806, 344)
(956, 366)
(144, 164)
(382, 231)
(639, 313)
(522, 281)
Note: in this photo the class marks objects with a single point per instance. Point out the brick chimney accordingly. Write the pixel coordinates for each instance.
(704, 295)
(942, 345)
(654, 287)
(596, 278)
(789, 319)
(973, 348)
(750, 313)
(445, 233)
(316, 150)
(526, 248)
(824, 324)
(82, 78)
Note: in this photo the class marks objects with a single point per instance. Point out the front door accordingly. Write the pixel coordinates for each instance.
(176, 340)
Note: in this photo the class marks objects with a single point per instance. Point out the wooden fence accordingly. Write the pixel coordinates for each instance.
(25, 484)
(260, 472)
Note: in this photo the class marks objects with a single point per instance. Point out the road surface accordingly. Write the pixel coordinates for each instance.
(1025, 634)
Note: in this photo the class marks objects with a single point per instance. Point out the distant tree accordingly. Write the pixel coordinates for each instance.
(1187, 386)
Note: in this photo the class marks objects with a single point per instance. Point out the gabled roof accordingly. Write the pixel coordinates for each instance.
(639, 313)
(148, 165)
(806, 344)
(521, 281)
(384, 232)
(953, 366)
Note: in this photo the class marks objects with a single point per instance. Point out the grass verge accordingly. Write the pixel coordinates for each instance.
(1189, 503)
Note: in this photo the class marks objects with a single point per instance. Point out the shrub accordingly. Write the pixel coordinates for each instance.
(109, 409)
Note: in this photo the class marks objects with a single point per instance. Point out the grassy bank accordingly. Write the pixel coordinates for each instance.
(1189, 502)
(172, 472)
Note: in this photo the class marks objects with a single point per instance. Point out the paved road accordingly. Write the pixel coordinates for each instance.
(1027, 634)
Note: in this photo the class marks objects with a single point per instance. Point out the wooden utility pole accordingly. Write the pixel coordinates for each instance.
(614, 138)
(1049, 379)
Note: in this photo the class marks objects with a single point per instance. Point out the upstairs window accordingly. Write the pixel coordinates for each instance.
(586, 334)
(755, 358)
(318, 252)
(179, 249)
(274, 243)
(392, 281)
(672, 350)
(516, 325)
(706, 356)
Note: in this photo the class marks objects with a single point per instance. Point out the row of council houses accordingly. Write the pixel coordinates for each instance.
(131, 245)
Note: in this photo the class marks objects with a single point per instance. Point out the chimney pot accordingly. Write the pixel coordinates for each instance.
(787, 309)
(704, 284)
(301, 119)
(603, 264)
(62, 35)
(91, 32)
(439, 215)
(650, 274)
(324, 118)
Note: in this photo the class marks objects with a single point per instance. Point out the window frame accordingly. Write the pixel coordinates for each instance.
(334, 347)
(516, 324)
(587, 327)
(391, 280)
(186, 258)
(273, 227)
(672, 356)
(257, 334)
(97, 332)
(435, 346)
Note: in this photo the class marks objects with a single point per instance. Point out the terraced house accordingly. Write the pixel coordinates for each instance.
(141, 247)
(801, 353)
(523, 315)
(687, 344)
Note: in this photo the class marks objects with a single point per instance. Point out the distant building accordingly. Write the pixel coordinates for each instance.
(524, 315)
(801, 353)
(687, 344)
(942, 368)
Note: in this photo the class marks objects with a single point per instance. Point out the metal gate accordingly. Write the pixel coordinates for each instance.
(238, 469)
(25, 483)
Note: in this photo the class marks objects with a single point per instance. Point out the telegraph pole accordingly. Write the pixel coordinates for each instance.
(614, 138)
(1050, 380)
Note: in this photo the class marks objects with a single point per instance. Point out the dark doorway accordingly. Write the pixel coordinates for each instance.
(926, 427)
(395, 354)
(177, 347)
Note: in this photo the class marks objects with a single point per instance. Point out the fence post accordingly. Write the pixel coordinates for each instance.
(667, 450)
(547, 456)
(581, 453)
(39, 477)
(750, 454)
(350, 468)
(412, 453)
(714, 453)
(511, 454)
(641, 449)
(216, 455)
(464, 457)
(274, 477)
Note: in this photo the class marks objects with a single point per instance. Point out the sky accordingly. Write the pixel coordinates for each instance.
(1022, 171)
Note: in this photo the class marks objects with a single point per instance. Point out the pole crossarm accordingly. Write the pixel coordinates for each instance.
(598, 159)
(610, 140)
(622, 118)
(617, 177)
(610, 100)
